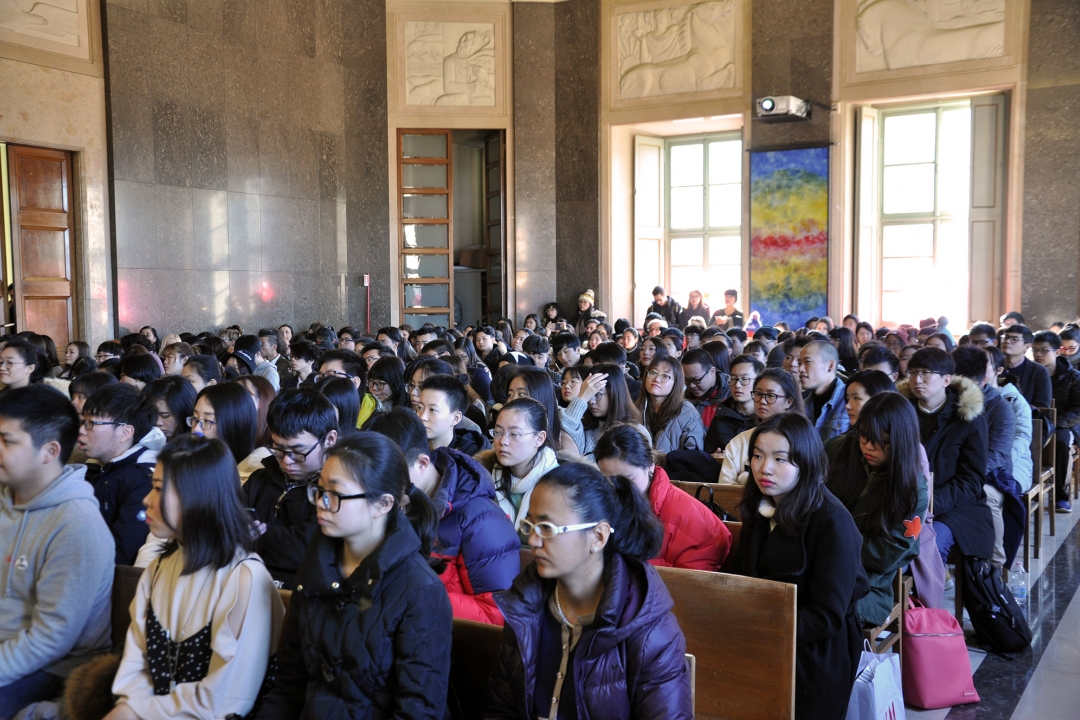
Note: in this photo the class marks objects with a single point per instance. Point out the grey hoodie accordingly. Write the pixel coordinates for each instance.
(56, 573)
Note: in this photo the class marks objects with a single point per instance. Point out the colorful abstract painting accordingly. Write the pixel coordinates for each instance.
(789, 235)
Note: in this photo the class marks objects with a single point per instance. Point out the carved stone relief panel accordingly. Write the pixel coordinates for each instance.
(450, 63)
(894, 34)
(58, 26)
(676, 50)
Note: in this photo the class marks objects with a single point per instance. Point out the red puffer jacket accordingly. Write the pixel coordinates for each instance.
(694, 538)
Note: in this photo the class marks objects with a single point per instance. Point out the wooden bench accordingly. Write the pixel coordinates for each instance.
(742, 633)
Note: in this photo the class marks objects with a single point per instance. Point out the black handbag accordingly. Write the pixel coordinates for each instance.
(710, 503)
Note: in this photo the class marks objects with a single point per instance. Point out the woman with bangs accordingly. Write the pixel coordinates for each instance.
(386, 383)
(795, 531)
(673, 423)
(602, 401)
(774, 393)
(206, 616)
(875, 472)
(650, 349)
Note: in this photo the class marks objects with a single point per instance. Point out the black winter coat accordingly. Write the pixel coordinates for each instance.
(289, 527)
(825, 564)
(120, 489)
(373, 645)
(1066, 391)
(726, 424)
(957, 453)
(630, 663)
(669, 311)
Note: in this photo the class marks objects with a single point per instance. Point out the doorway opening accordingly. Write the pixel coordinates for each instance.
(37, 268)
(452, 205)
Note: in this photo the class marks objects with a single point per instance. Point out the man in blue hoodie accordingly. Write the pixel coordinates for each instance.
(57, 553)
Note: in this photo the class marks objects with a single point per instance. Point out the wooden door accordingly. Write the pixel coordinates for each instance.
(426, 209)
(42, 221)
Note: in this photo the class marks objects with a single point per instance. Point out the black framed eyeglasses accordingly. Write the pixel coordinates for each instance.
(333, 374)
(89, 425)
(769, 398)
(297, 456)
(329, 499)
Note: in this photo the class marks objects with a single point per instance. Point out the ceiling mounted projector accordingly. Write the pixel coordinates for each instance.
(782, 108)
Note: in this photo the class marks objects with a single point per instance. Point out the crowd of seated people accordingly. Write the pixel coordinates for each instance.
(393, 481)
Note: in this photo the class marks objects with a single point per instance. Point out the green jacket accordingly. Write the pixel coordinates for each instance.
(882, 557)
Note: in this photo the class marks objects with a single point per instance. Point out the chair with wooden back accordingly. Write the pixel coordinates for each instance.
(1034, 498)
(893, 627)
(742, 633)
(125, 584)
(1049, 467)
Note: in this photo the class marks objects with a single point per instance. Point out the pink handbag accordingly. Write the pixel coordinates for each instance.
(936, 670)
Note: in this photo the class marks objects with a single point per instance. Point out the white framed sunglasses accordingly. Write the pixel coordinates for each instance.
(546, 530)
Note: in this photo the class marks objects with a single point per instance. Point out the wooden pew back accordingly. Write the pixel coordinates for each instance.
(125, 583)
(742, 633)
(473, 657)
(726, 496)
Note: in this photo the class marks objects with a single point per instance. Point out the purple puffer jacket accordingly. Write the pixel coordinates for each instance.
(629, 664)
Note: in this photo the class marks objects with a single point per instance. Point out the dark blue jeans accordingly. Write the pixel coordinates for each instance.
(33, 688)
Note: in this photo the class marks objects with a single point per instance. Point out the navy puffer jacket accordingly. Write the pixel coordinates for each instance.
(477, 540)
(629, 664)
(373, 645)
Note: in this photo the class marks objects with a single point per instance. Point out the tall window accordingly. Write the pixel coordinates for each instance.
(704, 216)
(925, 161)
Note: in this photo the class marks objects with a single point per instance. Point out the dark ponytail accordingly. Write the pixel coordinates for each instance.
(636, 531)
(378, 464)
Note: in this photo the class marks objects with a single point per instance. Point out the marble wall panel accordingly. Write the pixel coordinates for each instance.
(245, 231)
(227, 129)
(1050, 283)
(365, 152)
(793, 58)
(577, 162)
(210, 229)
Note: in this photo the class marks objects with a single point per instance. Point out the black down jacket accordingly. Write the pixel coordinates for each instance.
(373, 645)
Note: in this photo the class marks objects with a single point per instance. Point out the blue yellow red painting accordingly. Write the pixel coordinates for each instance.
(789, 235)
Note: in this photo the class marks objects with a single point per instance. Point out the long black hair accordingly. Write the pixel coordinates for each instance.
(784, 379)
(391, 371)
(214, 522)
(886, 420)
(806, 453)
(178, 395)
(621, 407)
(636, 531)
(401, 439)
(538, 383)
(845, 347)
(343, 396)
(235, 416)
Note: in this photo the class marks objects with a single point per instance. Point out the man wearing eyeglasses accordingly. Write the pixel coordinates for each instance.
(1032, 378)
(118, 431)
(953, 429)
(706, 386)
(303, 426)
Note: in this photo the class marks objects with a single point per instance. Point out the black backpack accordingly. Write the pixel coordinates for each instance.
(994, 614)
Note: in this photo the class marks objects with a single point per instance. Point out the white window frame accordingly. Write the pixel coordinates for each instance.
(714, 295)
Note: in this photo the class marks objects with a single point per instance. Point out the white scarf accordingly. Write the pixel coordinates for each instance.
(545, 462)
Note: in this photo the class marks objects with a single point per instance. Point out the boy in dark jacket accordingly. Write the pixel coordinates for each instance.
(303, 426)
(664, 306)
(953, 431)
(443, 402)
(118, 431)
(1065, 389)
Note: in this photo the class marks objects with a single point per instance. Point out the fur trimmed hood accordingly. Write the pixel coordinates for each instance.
(969, 397)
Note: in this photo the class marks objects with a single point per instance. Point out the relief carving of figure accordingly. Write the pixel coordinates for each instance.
(463, 77)
(56, 20)
(683, 49)
(896, 34)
